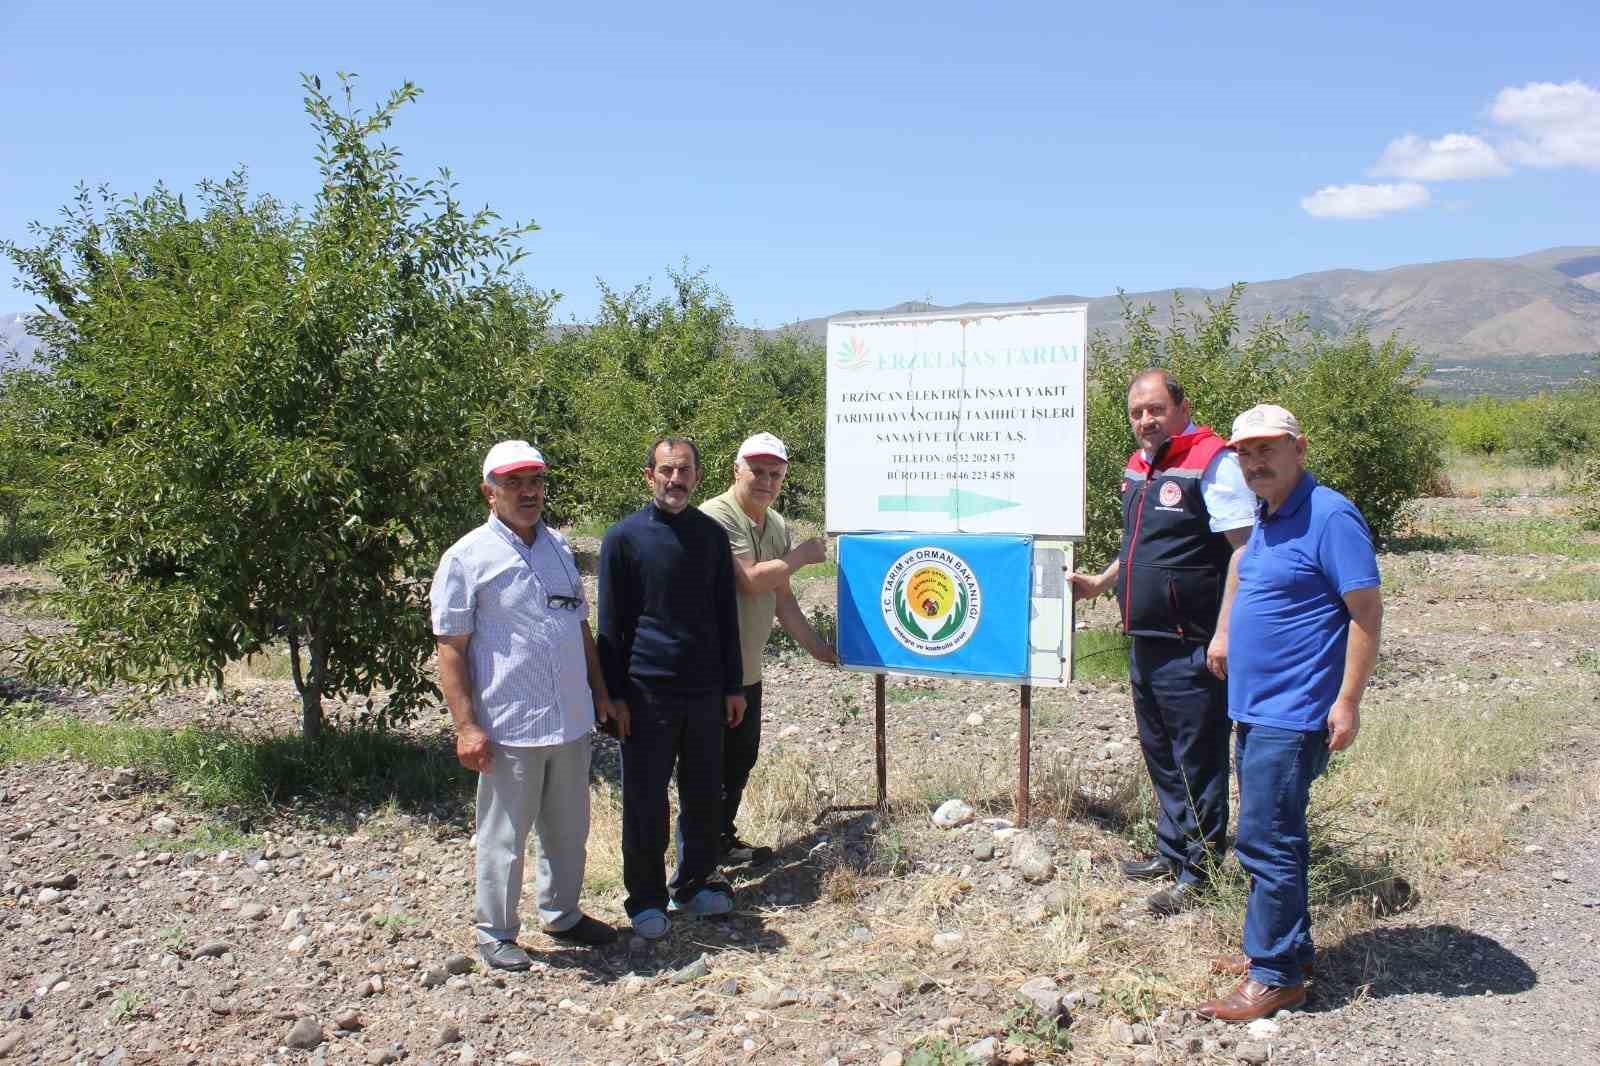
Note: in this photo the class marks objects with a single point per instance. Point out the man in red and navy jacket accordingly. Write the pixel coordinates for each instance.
(1185, 511)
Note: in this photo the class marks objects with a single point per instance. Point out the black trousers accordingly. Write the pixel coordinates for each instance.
(740, 748)
(667, 731)
(1182, 711)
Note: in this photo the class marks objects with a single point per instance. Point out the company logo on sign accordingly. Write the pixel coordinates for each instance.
(851, 355)
(931, 601)
(1171, 494)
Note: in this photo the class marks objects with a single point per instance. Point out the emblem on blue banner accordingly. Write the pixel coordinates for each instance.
(931, 601)
(953, 604)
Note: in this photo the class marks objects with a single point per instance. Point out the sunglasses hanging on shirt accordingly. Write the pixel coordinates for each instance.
(572, 601)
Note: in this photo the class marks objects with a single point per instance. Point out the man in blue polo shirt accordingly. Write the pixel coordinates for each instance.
(1297, 640)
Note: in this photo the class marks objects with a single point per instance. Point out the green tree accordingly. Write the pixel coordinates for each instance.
(1372, 437)
(1483, 426)
(1557, 427)
(782, 392)
(1222, 375)
(24, 518)
(266, 426)
(651, 366)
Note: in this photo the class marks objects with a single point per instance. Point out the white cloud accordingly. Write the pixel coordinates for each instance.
(1540, 124)
(1364, 201)
(1453, 157)
(1553, 125)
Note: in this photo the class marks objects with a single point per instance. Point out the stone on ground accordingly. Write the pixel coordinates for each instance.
(953, 812)
(304, 1035)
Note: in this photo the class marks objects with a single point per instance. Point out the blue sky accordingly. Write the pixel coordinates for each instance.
(835, 156)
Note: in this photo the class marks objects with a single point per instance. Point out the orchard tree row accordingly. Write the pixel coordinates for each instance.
(257, 427)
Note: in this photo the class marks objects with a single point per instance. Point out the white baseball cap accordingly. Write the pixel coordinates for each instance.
(1265, 420)
(511, 455)
(763, 446)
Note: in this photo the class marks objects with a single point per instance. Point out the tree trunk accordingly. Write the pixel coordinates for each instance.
(309, 682)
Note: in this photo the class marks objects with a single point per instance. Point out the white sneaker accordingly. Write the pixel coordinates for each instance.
(651, 924)
(706, 903)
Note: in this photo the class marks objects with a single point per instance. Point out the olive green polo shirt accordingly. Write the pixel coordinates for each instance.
(757, 545)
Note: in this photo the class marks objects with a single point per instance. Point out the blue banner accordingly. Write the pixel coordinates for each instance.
(920, 604)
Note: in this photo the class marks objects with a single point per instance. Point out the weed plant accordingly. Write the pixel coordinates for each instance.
(1099, 655)
(225, 770)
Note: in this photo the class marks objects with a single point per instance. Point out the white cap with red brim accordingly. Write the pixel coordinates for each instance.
(763, 446)
(1263, 421)
(511, 455)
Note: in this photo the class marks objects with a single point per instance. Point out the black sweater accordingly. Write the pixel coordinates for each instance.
(668, 617)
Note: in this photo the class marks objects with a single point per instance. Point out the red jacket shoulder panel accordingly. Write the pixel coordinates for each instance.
(1186, 451)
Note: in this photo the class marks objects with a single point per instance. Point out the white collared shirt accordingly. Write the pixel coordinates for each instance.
(529, 679)
(1229, 501)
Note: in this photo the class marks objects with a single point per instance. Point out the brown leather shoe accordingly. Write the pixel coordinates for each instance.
(1252, 1000)
(1238, 965)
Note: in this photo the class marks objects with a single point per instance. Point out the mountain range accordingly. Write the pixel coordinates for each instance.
(1541, 308)
(16, 345)
(1544, 304)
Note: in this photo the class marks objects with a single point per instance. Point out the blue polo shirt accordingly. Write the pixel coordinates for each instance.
(1289, 626)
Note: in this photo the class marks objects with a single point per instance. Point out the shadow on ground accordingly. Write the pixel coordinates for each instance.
(1439, 960)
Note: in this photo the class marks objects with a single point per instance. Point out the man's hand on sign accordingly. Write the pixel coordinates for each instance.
(735, 704)
(812, 551)
(1088, 586)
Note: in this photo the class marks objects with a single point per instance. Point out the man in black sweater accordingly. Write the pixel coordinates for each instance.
(669, 643)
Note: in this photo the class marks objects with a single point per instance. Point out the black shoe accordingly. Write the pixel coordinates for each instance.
(505, 955)
(1155, 869)
(587, 933)
(1175, 899)
(735, 850)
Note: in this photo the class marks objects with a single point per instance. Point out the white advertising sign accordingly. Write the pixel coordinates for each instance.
(958, 422)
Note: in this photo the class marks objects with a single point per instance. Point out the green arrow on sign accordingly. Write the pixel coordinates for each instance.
(959, 503)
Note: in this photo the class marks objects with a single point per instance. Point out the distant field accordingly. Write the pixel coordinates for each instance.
(1508, 376)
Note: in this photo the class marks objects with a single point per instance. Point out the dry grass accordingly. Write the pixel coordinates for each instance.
(602, 871)
(1566, 585)
(1485, 476)
(1435, 774)
(1431, 784)
(270, 665)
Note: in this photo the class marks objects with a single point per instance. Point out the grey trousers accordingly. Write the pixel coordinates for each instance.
(544, 789)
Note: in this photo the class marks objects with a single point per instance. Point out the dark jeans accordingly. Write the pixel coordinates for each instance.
(667, 731)
(1276, 768)
(1182, 711)
(740, 747)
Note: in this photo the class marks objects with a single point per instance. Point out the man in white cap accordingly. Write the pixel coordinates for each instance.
(764, 557)
(519, 672)
(1297, 640)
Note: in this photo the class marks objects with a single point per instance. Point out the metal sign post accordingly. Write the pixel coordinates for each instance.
(881, 743)
(1024, 756)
